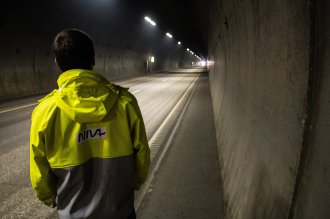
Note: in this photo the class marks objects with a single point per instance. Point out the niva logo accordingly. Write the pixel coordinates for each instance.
(91, 134)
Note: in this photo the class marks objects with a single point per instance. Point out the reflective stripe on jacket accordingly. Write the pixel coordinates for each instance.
(88, 147)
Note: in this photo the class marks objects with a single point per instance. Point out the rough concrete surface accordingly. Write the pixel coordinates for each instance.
(259, 86)
(188, 183)
(313, 196)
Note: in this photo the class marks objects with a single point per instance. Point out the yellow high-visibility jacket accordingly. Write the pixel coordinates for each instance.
(88, 147)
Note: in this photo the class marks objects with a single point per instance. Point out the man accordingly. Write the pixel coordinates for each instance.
(88, 146)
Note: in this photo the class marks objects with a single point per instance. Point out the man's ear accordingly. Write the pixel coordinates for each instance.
(92, 63)
(57, 64)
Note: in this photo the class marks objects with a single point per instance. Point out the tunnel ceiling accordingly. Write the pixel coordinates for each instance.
(180, 18)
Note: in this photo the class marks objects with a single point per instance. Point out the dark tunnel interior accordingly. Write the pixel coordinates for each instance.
(269, 77)
(178, 17)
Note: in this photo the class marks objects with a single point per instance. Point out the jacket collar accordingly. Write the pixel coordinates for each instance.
(73, 73)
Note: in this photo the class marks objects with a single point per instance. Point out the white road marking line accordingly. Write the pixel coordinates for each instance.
(165, 80)
(146, 185)
(17, 108)
(136, 91)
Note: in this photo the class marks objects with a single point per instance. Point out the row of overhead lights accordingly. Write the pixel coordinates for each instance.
(153, 23)
(192, 53)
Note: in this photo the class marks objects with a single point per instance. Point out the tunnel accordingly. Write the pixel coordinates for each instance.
(268, 72)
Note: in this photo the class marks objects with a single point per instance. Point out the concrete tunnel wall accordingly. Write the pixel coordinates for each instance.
(123, 43)
(271, 100)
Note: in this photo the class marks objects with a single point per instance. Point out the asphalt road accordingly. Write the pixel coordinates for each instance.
(156, 94)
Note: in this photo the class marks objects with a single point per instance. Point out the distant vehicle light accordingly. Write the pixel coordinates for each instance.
(152, 59)
(208, 62)
(179, 43)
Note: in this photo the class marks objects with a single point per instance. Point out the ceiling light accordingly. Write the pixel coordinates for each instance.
(150, 21)
(169, 35)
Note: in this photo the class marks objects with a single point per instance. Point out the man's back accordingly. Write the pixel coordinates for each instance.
(88, 147)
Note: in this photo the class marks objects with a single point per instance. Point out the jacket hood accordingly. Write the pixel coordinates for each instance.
(84, 95)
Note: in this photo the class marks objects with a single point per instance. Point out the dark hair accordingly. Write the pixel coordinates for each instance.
(73, 49)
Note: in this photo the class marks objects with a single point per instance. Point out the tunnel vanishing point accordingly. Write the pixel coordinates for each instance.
(269, 74)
